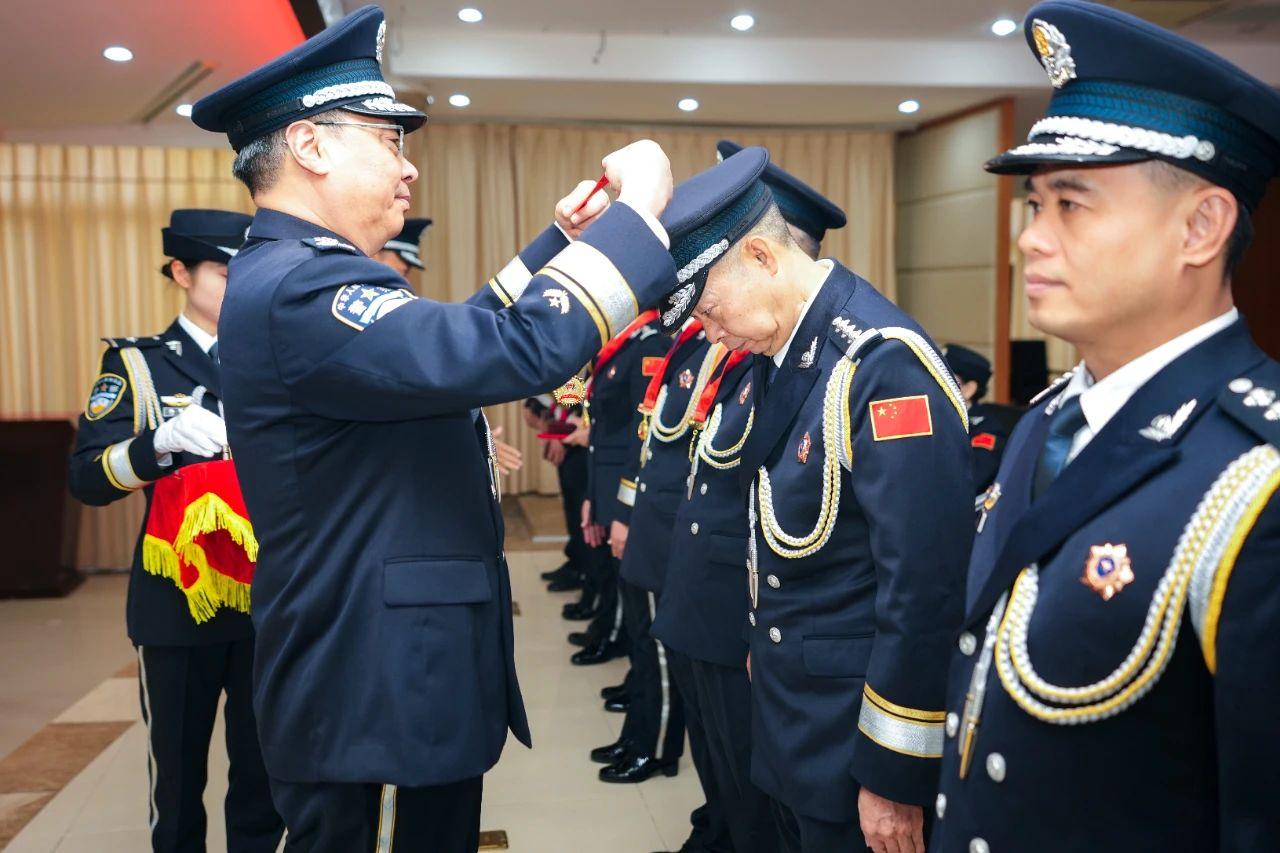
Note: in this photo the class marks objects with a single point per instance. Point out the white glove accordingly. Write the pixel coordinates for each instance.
(196, 430)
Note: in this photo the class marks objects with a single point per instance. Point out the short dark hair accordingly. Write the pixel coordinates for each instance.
(1171, 177)
(167, 269)
(257, 164)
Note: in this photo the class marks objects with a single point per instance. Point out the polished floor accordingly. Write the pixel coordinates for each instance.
(73, 777)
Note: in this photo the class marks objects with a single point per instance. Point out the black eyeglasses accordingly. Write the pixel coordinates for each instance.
(399, 128)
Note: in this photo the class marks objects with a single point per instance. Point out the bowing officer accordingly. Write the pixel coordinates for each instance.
(1115, 684)
(154, 409)
(703, 597)
(989, 423)
(367, 472)
(859, 440)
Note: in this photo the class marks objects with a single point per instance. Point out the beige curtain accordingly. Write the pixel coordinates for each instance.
(80, 247)
(1062, 356)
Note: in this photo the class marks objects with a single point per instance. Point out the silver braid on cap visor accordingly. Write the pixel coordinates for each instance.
(388, 105)
(347, 90)
(1123, 136)
(704, 259)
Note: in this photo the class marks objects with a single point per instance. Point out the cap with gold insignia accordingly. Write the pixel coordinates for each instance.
(340, 68)
(801, 205)
(406, 243)
(203, 235)
(1127, 91)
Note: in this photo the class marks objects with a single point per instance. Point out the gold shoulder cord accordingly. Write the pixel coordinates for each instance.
(654, 427)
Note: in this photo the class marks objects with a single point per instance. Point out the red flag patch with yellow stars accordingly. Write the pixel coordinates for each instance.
(901, 417)
(650, 365)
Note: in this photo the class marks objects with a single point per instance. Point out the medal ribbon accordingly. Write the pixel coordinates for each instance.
(708, 398)
(655, 384)
(609, 350)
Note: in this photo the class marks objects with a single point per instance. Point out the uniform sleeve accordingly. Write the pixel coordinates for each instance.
(352, 344)
(111, 460)
(910, 474)
(506, 288)
(1244, 653)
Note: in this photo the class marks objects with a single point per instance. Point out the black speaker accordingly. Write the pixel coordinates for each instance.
(1029, 373)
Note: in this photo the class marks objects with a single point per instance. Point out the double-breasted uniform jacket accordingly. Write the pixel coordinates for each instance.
(861, 506)
(664, 459)
(381, 600)
(142, 383)
(704, 594)
(1115, 684)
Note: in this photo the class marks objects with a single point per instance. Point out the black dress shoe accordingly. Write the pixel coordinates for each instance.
(611, 754)
(598, 653)
(618, 704)
(613, 691)
(568, 584)
(564, 570)
(578, 611)
(582, 639)
(637, 768)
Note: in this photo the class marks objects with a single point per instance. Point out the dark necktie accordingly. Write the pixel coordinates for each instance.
(213, 353)
(1063, 426)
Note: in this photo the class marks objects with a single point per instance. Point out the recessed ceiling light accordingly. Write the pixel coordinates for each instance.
(908, 106)
(470, 15)
(688, 104)
(459, 100)
(116, 53)
(742, 22)
(183, 110)
(1004, 27)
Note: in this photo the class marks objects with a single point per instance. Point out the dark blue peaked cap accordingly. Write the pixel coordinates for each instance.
(1129, 91)
(801, 205)
(203, 235)
(707, 214)
(339, 68)
(406, 242)
(967, 364)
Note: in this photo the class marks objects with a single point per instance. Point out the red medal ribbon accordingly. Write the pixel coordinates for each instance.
(708, 398)
(655, 384)
(609, 350)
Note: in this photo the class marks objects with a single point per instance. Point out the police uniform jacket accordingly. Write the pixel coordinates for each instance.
(989, 427)
(381, 598)
(664, 464)
(617, 390)
(704, 592)
(1139, 718)
(862, 517)
(142, 383)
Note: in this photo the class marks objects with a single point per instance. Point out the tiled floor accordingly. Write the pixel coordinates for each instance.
(57, 659)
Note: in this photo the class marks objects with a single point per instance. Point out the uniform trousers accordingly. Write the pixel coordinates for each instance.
(711, 831)
(803, 834)
(655, 715)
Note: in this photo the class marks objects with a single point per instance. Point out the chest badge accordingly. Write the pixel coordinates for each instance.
(685, 378)
(746, 391)
(802, 452)
(613, 371)
(1108, 570)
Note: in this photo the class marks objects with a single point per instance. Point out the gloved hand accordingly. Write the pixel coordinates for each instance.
(196, 430)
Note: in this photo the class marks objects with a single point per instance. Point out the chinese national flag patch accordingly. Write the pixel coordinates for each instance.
(901, 417)
(650, 365)
(984, 440)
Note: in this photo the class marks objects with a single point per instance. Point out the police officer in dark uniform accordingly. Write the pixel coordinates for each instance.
(385, 672)
(700, 611)
(154, 409)
(989, 423)
(1115, 682)
(859, 440)
(403, 253)
(542, 414)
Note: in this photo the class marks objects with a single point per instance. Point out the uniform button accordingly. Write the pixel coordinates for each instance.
(642, 487)
(978, 845)
(591, 449)
(775, 635)
(953, 724)
(703, 490)
(693, 528)
(996, 767)
(773, 581)
(940, 805)
(968, 644)
(751, 617)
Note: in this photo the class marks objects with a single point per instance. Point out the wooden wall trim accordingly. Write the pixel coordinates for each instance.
(1004, 286)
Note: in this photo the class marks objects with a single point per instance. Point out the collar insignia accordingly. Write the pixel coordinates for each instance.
(806, 360)
(175, 346)
(1164, 427)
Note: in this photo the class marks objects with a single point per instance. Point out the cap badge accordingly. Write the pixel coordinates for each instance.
(1108, 569)
(381, 42)
(1055, 53)
(802, 452)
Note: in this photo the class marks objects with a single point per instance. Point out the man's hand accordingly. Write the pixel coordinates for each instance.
(641, 173)
(508, 458)
(592, 533)
(617, 538)
(553, 452)
(580, 436)
(575, 223)
(196, 430)
(532, 421)
(890, 827)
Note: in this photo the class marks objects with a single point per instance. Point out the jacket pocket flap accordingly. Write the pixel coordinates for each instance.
(837, 657)
(730, 550)
(417, 581)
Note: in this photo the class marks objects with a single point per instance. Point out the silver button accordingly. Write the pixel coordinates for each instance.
(773, 581)
(996, 767)
(642, 487)
(1241, 385)
(703, 490)
(591, 449)
(940, 805)
(953, 724)
(693, 528)
(977, 845)
(751, 617)
(968, 644)
(775, 635)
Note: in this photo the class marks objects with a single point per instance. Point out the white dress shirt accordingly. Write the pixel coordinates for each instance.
(781, 355)
(203, 339)
(1100, 400)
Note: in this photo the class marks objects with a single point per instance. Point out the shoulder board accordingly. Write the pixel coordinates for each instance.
(330, 244)
(1254, 401)
(1054, 387)
(140, 343)
(852, 336)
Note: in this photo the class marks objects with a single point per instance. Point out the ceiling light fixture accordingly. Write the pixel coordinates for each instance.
(459, 100)
(742, 22)
(183, 110)
(909, 106)
(688, 105)
(1004, 27)
(116, 53)
(470, 15)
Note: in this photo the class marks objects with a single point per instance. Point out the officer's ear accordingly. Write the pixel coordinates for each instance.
(760, 254)
(307, 146)
(180, 273)
(1212, 216)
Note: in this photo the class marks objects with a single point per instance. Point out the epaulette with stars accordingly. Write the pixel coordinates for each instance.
(140, 343)
(330, 244)
(1254, 401)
